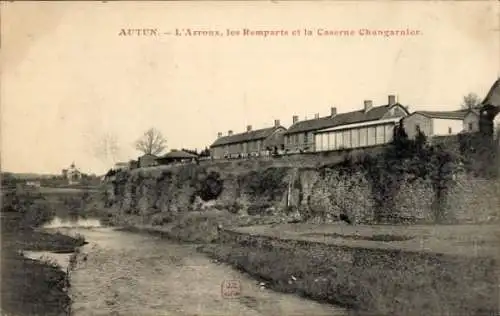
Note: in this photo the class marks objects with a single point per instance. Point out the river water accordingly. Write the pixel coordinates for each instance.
(123, 273)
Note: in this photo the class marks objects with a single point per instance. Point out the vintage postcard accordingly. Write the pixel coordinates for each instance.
(250, 158)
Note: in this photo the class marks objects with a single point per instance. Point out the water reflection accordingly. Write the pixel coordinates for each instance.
(72, 221)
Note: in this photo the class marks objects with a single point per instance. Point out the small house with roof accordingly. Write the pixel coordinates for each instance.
(176, 156)
(441, 123)
(250, 143)
(147, 160)
(370, 126)
(471, 120)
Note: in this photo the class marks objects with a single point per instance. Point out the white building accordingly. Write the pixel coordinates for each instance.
(440, 123)
(370, 126)
(72, 174)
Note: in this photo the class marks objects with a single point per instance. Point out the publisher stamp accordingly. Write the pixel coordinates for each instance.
(231, 289)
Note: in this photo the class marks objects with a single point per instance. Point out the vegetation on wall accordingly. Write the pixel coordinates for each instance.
(480, 154)
(210, 186)
(404, 160)
(381, 186)
(264, 183)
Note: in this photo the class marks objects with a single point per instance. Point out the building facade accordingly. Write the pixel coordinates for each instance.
(250, 143)
(72, 174)
(176, 157)
(471, 122)
(489, 116)
(359, 135)
(370, 126)
(439, 123)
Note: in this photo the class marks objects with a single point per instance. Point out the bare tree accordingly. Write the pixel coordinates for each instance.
(106, 148)
(470, 101)
(152, 142)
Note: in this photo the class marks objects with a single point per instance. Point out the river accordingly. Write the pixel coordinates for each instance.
(123, 273)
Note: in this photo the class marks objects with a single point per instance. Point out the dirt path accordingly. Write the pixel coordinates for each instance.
(122, 273)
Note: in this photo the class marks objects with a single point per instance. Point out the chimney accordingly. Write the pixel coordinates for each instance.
(333, 111)
(229, 133)
(249, 128)
(368, 105)
(316, 116)
(392, 99)
(219, 134)
(276, 123)
(295, 119)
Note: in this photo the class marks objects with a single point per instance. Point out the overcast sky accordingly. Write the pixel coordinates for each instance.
(70, 82)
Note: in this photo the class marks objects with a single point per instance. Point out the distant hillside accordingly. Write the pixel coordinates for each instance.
(27, 176)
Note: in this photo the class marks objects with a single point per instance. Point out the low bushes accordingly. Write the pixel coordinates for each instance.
(28, 210)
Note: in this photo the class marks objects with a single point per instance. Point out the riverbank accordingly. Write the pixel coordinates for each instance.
(123, 273)
(369, 269)
(32, 287)
(194, 226)
(351, 269)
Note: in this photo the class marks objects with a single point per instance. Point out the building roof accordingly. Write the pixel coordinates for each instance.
(178, 154)
(246, 136)
(474, 110)
(375, 113)
(148, 156)
(121, 164)
(493, 96)
(449, 115)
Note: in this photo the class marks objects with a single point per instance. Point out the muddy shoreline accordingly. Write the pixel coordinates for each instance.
(33, 287)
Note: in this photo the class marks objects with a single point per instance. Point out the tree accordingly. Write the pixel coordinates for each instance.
(470, 101)
(152, 142)
(107, 148)
(205, 152)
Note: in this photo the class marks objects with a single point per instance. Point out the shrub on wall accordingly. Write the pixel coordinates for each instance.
(210, 186)
(479, 154)
(266, 183)
(386, 173)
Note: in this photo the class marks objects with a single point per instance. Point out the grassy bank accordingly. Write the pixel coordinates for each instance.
(368, 280)
(194, 226)
(30, 287)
